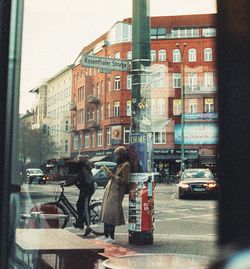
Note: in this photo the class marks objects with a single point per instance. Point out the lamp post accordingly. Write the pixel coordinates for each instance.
(182, 50)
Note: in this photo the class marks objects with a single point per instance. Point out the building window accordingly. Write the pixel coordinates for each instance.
(121, 32)
(109, 85)
(66, 125)
(99, 138)
(93, 140)
(86, 140)
(153, 56)
(117, 55)
(66, 145)
(208, 32)
(117, 83)
(208, 79)
(126, 135)
(176, 80)
(192, 105)
(161, 106)
(80, 141)
(108, 110)
(176, 56)
(185, 33)
(176, 107)
(90, 114)
(158, 33)
(80, 116)
(98, 94)
(192, 55)
(192, 81)
(108, 136)
(102, 87)
(116, 109)
(97, 115)
(75, 142)
(162, 56)
(158, 107)
(102, 113)
(208, 105)
(128, 110)
(129, 55)
(159, 137)
(129, 82)
(208, 55)
(80, 93)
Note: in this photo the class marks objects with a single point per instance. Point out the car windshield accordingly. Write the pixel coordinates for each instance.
(197, 174)
(34, 171)
(95, 171)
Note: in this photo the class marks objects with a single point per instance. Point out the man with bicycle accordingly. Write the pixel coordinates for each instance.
(84, 181)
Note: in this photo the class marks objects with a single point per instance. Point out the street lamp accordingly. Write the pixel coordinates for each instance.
(182, 50)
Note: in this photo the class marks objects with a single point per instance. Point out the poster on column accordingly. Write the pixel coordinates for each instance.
(138, 152)
(140, 203)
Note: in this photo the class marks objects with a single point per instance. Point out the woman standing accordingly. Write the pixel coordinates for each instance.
(112, 212)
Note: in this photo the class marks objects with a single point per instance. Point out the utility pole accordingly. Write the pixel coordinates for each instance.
(140, 57)
(140, 216)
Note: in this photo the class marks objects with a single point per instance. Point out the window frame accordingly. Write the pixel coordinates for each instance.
(176, 54)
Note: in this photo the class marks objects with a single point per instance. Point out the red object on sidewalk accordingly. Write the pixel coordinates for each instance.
(38, 221)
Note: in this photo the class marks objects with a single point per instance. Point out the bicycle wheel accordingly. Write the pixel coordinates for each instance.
(49, 215)
(96, 224)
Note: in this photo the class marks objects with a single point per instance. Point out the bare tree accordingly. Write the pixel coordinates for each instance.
(35, 145)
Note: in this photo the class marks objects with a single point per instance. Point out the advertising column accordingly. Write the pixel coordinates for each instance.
(141, 193)
(140, 148)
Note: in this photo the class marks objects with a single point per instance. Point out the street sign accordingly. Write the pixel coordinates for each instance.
(105, 63)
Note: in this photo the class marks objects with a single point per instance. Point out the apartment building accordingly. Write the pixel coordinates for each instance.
(101, 100)
(39, 106)
(58, 117)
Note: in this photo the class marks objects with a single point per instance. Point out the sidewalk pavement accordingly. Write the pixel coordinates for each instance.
(204, 245)
(178, 244)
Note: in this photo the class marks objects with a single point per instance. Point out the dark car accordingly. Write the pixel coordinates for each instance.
(197, 182)
(35, 175)
(99, 175)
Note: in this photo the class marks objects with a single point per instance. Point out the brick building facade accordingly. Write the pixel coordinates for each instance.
(101, 100)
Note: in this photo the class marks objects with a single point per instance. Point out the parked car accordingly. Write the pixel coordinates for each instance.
(197, 182)
(99, 175)
(35, 175)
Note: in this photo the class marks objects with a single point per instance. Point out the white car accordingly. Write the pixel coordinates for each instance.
(35, 175)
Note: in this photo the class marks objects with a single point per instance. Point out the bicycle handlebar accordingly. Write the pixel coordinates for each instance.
(62, 184)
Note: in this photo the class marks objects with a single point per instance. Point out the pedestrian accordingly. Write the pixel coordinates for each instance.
(84, 181)
(111, 211)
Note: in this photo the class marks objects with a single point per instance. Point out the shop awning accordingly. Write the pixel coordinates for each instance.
(97, 158)
(159, 125)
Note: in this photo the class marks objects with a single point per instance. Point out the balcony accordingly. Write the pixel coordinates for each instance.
(72, 106)
(93, 99)
(93, 124)
(117, 120)
(200, 89)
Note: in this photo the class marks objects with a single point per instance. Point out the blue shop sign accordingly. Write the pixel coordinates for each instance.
(195, 134)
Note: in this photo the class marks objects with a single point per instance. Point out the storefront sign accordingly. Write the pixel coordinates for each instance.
(200, 116)
(195, 134)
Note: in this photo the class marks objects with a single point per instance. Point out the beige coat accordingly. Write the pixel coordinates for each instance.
(112, 212)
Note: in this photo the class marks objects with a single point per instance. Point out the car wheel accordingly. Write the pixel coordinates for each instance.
(181, 196)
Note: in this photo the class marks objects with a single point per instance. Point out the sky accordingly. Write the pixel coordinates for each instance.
(55, 31)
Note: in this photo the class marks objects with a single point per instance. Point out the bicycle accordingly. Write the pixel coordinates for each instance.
(57, 214)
